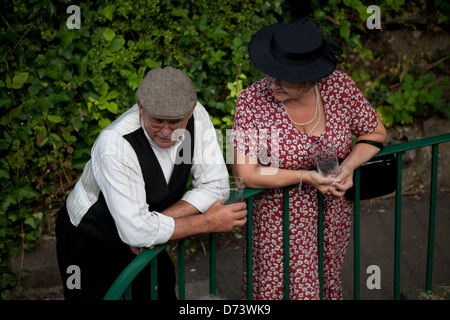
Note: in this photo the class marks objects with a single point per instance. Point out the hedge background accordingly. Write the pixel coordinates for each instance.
(60, 87)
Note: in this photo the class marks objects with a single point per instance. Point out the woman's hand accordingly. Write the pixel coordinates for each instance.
(322, 184)
(343, 181)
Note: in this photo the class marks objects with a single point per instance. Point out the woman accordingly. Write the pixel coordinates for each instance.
(302, 102)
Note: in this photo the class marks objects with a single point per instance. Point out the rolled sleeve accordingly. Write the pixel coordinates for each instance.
(205, 194)
(163, 226)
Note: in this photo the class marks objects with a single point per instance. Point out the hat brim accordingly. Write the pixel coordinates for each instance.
(262, 58)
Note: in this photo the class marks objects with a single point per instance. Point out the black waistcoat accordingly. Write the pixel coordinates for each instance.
(98, 222)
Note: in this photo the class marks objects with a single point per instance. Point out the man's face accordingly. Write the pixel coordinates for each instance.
(164, 132)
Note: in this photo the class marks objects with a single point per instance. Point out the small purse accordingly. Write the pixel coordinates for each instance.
(378, 176)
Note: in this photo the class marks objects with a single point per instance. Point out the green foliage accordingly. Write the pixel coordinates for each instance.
(397, 97)
(60, 87)
(417, 97)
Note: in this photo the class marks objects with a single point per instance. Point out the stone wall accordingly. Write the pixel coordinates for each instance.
(417, 163)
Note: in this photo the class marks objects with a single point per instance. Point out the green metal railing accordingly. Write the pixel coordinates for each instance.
(122, 285)
(399, 149)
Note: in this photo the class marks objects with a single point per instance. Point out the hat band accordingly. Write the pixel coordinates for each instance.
(296, 59)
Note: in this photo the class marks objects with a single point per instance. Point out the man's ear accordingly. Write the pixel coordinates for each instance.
(141, 109)
(192, 112)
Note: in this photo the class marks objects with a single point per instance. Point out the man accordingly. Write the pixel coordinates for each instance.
(131, 194)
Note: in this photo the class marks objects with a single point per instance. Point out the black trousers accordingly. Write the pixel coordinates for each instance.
(100, 263)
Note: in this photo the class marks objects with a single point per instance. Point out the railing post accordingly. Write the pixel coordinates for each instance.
(286, 262)
(248, 248)
(398, 228)
(320, 234)
(128, 294)
(432, 218)
(356, 238)
(123, 281)
(212, 264)
(154, 278)
(181, 270)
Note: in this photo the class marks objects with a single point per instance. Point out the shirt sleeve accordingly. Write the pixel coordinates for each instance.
(209, 172)
(118, 175)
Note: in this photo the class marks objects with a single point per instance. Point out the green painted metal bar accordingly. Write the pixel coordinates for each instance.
(212, 264)
(128, 295)
(181, 270)
(122, 285)
(320, 234)
(398, 213)
(286, 260)
(356, 237)
(125, 278)
(248, 249)
(432, 217)
(154, 278)
(249, 193)
(415, 144)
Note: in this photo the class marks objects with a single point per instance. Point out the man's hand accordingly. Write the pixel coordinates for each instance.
(136, 250)
(223, 218)
(218, 218)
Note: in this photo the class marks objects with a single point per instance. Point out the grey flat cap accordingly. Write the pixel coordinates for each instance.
(167, 93)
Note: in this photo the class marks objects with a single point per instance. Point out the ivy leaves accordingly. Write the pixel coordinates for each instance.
(17, 81)
(417, 97)
(60, 87)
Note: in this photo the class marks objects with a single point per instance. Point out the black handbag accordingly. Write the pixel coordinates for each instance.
(378, 176)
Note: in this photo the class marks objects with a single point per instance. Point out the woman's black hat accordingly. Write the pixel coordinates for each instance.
(294, 52)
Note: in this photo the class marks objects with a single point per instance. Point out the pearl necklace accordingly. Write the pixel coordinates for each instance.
(315, 112)
(318, 121)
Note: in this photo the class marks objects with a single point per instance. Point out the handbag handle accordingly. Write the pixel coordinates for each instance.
(373, 143)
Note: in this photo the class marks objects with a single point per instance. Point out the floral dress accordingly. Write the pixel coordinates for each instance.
(263, 131)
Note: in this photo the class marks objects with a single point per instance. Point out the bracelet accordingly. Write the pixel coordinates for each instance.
(301, 180)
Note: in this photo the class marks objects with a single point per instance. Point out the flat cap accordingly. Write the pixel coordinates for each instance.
(167, 93)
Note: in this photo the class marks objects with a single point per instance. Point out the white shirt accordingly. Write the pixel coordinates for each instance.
(114, 169)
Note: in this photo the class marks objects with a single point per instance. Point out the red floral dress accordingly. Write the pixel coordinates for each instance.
(263, 131)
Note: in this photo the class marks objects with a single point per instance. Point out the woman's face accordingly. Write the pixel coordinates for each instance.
(287, 90)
